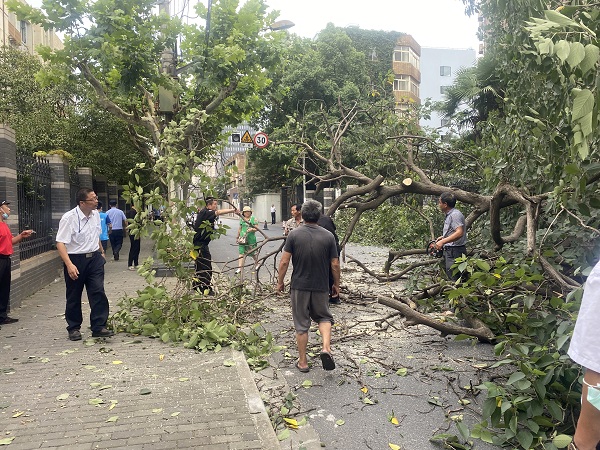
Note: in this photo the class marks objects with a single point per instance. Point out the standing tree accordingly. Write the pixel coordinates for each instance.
(175, 103)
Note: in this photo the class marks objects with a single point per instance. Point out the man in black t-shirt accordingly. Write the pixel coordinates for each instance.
(313, 253)
(204, 226)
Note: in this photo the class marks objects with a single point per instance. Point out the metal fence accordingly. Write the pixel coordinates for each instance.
(35, 201)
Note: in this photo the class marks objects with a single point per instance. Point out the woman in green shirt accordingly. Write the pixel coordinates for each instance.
(246, 237)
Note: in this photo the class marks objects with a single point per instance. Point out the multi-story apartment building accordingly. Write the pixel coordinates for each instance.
(439, 67)
(23, 35)
(406, 65)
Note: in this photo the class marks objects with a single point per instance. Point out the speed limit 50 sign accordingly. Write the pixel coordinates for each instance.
(261, 140)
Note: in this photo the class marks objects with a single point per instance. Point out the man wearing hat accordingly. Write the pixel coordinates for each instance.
(6, 249)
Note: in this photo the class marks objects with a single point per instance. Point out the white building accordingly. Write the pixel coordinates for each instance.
(438, 70)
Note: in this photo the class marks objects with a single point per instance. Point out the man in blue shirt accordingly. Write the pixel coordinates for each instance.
(454, 237)
(106, 225)
(119, 222)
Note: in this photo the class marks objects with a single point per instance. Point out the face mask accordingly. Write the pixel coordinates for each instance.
(4, 216)
(593, 395)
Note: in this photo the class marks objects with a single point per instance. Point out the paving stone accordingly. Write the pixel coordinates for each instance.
(213, 404)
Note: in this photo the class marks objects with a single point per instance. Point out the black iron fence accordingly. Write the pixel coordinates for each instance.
(35, 201)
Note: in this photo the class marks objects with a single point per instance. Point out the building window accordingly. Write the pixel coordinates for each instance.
(444, 89)
(401, 83)
(408, 55)
(445, 71)
(414, 88)
(23, 31)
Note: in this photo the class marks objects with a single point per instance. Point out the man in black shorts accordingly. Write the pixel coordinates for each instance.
(313, 253)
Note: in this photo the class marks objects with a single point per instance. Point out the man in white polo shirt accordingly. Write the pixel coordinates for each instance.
(79, 246)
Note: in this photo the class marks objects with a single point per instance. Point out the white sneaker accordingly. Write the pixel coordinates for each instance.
(237, 271)
(131, 268)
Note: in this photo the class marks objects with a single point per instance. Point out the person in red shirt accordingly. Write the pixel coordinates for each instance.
(6, 249)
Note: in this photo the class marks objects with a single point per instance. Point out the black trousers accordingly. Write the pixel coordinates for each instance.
(273, 218)
(450, 255)
(203, 268)
(5, 277)
(134, 251)
(91, 276)
(116, 242)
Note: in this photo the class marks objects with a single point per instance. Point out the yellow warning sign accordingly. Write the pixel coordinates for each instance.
(246, 138)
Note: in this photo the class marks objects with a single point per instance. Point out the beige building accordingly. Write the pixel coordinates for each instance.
(23, 35)
(406, 65)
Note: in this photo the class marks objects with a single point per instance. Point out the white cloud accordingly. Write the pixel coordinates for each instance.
(433, 23)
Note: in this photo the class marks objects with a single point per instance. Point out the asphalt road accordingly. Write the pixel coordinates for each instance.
(410, 373)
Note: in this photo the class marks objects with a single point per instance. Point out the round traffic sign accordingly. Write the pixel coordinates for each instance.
(261, 140)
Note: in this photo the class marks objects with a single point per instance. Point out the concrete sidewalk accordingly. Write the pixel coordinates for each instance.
(122, 392)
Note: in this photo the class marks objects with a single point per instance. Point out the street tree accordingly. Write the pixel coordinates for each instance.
(61, 115)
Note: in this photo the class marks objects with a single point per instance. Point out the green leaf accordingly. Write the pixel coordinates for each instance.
(558, 18)
(576, 54)
(463, 430)
(591, 58)
(306, 384)
(401, 372)
(483, 265)
(583, 103)
(285, 434)
(145, 391)
(112, 419)
(562, 440)
(515, 377)
(62, 397)
(525, 438)
(340, 422)
(562, 49)
(7, 441)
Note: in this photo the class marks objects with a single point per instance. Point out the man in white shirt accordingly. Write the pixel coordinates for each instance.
(79, 246)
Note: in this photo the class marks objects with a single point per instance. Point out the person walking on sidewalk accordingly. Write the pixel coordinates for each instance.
(78, 244)
(134, 249)
(273, 214)
(7, 240)
(119, 222)
(313, 252)
(204, 226)
(106, 226)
